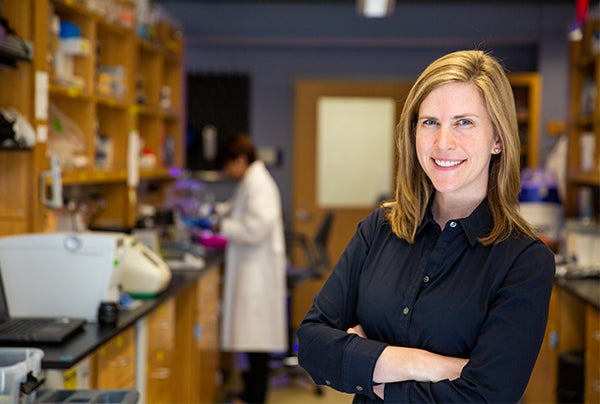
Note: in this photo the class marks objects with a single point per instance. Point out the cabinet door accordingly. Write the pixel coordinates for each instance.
(14, 209)
(527, 92)
(542, 383)
(115, 362)
(197, 353)
(20, 207)
(207, 340)
(160, 359)
(592, 356)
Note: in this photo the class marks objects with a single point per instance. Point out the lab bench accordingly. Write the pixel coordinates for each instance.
(573, 329)
(166, 347)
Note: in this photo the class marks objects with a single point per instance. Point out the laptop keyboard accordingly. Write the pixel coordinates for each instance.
(24, 326)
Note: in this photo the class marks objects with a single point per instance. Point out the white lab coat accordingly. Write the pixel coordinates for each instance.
(254, 290)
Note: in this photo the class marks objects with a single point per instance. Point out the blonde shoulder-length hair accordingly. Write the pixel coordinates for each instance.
(413, 187)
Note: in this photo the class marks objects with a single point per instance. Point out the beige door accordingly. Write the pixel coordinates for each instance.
(309, 198)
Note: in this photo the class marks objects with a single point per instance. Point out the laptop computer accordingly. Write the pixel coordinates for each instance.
(41, 330)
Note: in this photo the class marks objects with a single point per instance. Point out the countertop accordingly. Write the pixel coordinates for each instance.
(69, 353)
(586, 289)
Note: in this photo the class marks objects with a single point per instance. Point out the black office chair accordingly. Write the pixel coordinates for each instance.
(316, 263)
(315, 253)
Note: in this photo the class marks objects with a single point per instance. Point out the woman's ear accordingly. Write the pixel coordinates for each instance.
(497, 148)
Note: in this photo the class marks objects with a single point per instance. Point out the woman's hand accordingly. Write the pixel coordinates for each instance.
(396, 364)
(379, 389)
(358, 330)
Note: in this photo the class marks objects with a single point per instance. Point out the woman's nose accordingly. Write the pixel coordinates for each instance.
(445, 138)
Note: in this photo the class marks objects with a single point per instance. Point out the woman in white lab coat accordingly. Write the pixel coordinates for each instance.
(254, 292)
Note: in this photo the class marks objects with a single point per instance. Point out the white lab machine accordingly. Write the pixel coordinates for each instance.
(70, 273)
(61, 274)
(143, 272)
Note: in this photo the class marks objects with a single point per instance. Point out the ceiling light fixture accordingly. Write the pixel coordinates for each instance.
(375, 8)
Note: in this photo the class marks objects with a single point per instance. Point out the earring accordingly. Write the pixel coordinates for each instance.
(496, 150)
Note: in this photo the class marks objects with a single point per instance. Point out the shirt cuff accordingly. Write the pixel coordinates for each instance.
(360, 357)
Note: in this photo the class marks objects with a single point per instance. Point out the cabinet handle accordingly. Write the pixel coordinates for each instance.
(161, 373)
(552, 339)
(120, 362)
(596, 335)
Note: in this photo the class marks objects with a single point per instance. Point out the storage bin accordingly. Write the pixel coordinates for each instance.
(15, 365)
(88, 396)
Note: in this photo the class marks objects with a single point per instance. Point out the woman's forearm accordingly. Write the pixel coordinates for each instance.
(396, 364)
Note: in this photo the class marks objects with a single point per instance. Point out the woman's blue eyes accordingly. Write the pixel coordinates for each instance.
(460, 122)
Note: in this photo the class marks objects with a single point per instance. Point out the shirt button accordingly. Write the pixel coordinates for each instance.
(406, 310)
(359, 388)
(453, 224)
(328, 382)
(426, 279)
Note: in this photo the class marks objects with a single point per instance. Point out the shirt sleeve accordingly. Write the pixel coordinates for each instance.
(329, 354)
(501, 362)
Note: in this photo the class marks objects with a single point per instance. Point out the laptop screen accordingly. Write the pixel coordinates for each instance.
(4, 313)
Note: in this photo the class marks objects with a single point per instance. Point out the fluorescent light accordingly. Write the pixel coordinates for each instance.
(375, 8)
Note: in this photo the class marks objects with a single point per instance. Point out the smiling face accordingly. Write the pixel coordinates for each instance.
(455, 141)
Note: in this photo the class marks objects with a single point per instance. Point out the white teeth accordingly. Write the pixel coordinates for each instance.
(447, 163)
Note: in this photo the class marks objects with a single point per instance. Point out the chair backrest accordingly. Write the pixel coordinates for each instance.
(321, 240)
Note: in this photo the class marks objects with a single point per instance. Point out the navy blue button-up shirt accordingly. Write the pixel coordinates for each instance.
(445, 293)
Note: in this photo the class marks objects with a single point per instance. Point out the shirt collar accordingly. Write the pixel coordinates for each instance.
(479, 223)
(476, 225)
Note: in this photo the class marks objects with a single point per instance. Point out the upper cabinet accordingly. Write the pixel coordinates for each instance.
(108, 83)
(18, 202)
(584, 125)
(102, 94)
(527, 92)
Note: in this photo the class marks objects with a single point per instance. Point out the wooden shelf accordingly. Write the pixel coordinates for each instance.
(584, 118)
(102, 106)
(527, 92)
(573, 325)
(93, 177)
(104, 109)
(584, 179)
(69, 92)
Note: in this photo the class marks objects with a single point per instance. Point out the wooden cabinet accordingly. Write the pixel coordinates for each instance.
(160, 376)
(169, 352)
(102, 90)
(573, 325)
(542, 383)
(114, 363)
(197, 334)
(20, 209)
(584, 125)
(527, 92)
(592, 356)
(207, 336)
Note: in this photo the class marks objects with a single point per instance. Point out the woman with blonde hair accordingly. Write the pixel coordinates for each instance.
(442, 294)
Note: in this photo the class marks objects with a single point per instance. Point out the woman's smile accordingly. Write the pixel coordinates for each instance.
(447, 163)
